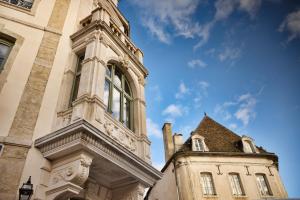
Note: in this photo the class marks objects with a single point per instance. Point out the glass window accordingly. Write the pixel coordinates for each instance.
(77, 78)
(5, 48)
(22, 3)
(116, 104)
(207, 184)
(263, 185)
(117, 95)
(199, 145)
(236, 185)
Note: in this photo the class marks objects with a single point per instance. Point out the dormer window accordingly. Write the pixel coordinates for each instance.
(248, 145)
(198, 143)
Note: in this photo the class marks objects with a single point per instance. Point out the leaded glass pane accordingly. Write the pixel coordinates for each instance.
(236, 184)
(108, 71)
(127, 88)
(207, 184)
(262, 184)
(117, 78)
(116, 104)
(76, 87)
(126, 112)
(106, 92)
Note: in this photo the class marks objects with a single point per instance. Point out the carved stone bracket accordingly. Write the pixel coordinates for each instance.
(69, 173)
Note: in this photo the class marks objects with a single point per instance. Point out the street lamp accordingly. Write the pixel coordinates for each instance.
(26, 190)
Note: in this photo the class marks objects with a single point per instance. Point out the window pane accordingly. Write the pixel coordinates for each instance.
(207, 184)
(235, 184)
(108, 71)
(127, 88)
(126, 112)
(116, 104)
(199, 145)
(117, 78)
(106, 93)
(79, 66)
(262, 184)
(76, 87)
(4, 51)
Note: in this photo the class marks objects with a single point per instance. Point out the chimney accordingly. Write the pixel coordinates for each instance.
(168, 142)
(178, 141)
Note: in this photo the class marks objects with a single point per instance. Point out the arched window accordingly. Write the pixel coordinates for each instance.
(117, 95)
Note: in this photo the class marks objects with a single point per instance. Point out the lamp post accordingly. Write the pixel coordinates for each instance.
(26, 190)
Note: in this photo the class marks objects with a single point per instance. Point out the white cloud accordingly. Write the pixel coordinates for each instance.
(158, 15)
(182, 91)
(229, 54)
(291, 24)
(157, 30)
(203, 86)
(153, 128)
(166, 19)
(244, 107)
(173, 111)
(197, 63)
(250, 6)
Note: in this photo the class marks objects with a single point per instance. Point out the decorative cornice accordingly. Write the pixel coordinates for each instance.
(101, 25)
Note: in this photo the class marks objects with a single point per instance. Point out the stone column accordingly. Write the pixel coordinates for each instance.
(184, 187)
(89, 103)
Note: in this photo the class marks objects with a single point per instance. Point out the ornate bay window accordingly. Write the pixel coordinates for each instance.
(117, 95)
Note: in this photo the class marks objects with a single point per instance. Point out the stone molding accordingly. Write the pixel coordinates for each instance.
(81, 135)
(15, 141)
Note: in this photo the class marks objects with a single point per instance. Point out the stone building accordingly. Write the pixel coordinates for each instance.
(72, 104)
(215, 163)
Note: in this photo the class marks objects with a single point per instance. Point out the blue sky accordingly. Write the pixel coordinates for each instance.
(236, 60)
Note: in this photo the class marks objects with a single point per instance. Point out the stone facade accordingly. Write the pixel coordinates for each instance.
(71, 149)
(182, 171)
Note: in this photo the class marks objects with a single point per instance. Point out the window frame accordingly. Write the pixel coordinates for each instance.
(267, 184)
(205, 189)
(233, 183)
(10, 46)
(79, 60)
(123, 94)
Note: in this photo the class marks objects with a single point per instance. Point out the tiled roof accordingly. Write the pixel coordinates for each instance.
(218, 138)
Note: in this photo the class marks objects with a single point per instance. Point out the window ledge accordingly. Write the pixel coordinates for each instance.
(239, 197)
(210, 196)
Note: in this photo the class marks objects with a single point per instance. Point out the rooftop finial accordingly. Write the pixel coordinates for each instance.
(205, 114)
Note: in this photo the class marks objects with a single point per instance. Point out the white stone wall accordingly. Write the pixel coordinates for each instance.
(166, 187)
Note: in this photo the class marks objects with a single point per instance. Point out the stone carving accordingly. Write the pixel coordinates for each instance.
(75, 172)
(120, 135)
